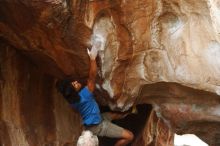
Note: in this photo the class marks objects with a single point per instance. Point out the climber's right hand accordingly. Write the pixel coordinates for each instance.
(92, 53)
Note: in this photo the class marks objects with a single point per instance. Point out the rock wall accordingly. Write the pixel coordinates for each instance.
(155, 133)
(169, 46)
(31, 111)
(185, 110)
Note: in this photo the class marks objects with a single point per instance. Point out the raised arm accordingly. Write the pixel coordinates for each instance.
(96, 45)
(92, 75)
(93, 68)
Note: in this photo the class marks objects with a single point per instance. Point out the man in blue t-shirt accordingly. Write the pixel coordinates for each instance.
(82, 99)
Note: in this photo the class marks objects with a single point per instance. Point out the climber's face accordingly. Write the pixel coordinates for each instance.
(76, 85)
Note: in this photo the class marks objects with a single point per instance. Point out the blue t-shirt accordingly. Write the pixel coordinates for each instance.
(88, 107)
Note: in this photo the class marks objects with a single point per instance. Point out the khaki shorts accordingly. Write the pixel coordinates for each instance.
(106, 128)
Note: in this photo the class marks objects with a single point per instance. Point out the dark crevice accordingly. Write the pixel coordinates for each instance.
(132, 122)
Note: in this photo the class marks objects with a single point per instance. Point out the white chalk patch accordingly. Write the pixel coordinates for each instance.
(217, 90)
(157, 110)
(182, 72)
(98, 39)
(188, 140)
(106, 85)
(211, 54)
(215, 14)
(87, 139)
(120, 105)
(215, 111)
(98, 86)
(159, 114)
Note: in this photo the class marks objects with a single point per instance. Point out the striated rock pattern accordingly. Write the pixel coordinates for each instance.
(31, 111)
(155, 133)
(160, 52)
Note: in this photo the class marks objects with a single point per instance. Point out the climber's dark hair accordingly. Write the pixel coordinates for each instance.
(66, 89)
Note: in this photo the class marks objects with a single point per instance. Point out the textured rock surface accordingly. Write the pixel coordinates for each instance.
(31, 112)
(144, 42)
(184, 109)
(155, 133)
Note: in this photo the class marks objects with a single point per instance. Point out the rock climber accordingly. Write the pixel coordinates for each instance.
(81, 98)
